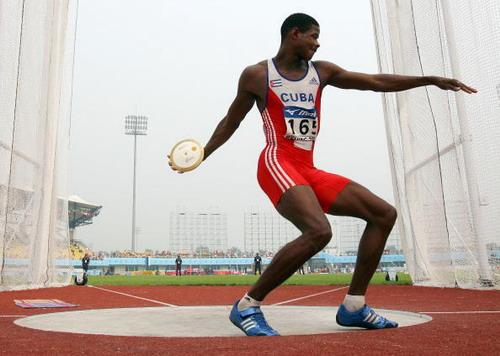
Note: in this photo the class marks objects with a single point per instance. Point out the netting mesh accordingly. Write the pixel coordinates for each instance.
(36, 55)
(445, 146)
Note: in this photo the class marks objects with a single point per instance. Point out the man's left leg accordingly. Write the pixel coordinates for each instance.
(357, 201)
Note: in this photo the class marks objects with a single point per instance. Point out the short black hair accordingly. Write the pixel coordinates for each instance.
(302, 21)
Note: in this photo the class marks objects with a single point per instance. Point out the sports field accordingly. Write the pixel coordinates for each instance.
(463, 321)
(238, 280)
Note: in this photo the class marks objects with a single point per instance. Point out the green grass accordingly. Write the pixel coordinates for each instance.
(234, 280)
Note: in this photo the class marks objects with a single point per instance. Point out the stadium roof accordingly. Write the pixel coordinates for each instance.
(81, 212)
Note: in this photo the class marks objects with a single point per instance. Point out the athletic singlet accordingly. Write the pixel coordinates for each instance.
(291, 123)
(292, 113)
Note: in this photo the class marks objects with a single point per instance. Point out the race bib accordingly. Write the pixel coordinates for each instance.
(301, 125)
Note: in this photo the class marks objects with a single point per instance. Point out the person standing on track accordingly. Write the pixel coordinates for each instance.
(86, 262)
(257, 261)
(301, 269)
(287, 90)
(178, 266)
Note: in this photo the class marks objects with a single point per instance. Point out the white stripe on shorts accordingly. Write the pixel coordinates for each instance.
(284, 178)
(267, 155)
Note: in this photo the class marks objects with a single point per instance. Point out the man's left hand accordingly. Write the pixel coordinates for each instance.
(453, 84)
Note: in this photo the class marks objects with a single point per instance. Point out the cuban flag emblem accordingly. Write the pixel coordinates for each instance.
(276, 83)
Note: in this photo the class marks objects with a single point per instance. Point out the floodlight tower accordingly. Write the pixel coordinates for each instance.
(136, 126)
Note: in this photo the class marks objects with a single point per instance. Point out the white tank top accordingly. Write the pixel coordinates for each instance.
(293, 108)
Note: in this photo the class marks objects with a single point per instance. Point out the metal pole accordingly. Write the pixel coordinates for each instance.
(469, 158)
(135, 125)
(133, 194)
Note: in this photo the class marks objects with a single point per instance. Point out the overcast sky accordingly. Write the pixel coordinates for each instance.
(178, 62)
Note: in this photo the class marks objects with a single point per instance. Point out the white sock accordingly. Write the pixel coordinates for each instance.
(247, 302)
(354, 302)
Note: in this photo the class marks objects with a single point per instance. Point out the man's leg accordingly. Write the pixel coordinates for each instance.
(357, 201)
(301, 207)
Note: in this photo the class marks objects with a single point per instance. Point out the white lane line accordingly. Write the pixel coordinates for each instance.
(310, 296)
(134, 296)
(13, 316)
(463, 312)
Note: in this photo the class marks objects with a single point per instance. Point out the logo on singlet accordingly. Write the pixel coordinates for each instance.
(295, 112)
(313, 81)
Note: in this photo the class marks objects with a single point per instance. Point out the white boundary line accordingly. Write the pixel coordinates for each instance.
(13, 316)
(136, 297)
(463, 312)
(309, 296)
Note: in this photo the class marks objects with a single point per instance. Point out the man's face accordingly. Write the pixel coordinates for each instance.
(308, 42)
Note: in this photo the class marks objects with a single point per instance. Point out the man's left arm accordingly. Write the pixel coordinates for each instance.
(341, 78)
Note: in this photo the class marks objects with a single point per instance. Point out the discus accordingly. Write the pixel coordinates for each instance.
(186, 155)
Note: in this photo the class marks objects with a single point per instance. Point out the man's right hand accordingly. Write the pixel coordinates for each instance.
(172, 167)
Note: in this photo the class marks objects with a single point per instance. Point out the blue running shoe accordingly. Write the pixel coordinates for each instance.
(363, 318)
(251, 321)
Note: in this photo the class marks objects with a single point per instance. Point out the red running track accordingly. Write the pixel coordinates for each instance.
(464, 322)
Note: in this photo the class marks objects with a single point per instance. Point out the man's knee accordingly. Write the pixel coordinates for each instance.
(387, 218)
(320, 235)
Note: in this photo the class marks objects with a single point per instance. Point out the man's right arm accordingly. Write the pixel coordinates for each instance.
(241, 105)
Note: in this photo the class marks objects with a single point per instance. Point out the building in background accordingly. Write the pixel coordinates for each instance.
(266, 231)
(198, 232)
(347, 233)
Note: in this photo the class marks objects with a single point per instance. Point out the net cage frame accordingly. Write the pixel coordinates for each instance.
(444, 146)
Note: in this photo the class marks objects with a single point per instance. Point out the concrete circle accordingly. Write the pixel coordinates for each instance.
(199, 321)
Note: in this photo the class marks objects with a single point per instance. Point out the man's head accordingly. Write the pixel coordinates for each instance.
(302, 22)
(301, 32)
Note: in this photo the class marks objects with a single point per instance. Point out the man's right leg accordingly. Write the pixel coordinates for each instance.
(301, 207)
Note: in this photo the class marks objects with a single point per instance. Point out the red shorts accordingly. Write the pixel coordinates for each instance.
(279, 172)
